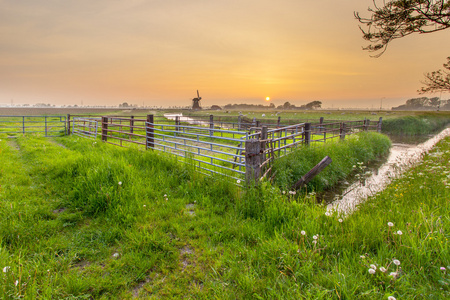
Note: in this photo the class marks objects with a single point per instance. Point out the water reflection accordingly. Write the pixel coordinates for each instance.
(400, 159)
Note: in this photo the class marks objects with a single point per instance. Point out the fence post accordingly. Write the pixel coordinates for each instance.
(264, 136)
(379, 124)
(211, 125)
(258, 123)
(367, 124)
(104, 129)
(46, 126)
(68, 124)
(131, 124)
(177, 123)
(342, 130)
(278, 122)
(307, 133)
(23, 125)
(321, 120)
(149, 132)
(239, 122)
(252, 161)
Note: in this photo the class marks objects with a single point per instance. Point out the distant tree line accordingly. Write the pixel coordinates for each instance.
(285, 106)
(424, 103)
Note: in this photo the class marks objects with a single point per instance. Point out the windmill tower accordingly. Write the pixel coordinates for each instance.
(196, 102)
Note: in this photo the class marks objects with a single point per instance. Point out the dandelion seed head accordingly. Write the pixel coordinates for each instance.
(315, 237)
(238, 181)
(303, 232)
(383, 269)
(399, 232)
(120, 182)
(390, 224)
(396, 262)
(372, 271)
(372, 266)
(391, 298)
(340, 220)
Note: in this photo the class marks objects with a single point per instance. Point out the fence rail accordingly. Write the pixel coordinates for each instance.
(14, 126)
(217, 148)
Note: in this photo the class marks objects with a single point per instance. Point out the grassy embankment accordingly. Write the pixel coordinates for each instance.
(81, 219)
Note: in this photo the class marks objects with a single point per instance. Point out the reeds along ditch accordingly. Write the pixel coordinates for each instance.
(363, 147)
(415, 125)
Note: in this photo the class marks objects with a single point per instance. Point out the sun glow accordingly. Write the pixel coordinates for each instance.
(267, 98)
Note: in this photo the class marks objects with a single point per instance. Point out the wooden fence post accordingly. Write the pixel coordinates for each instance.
(239, 122)
(278, 122)
(264, 136)
(211, 125)
(177, 123)
(104, 129)
(149, 133)
(252, 161)
(379, 124)
(307, 133)
(68, 124)
(258, 123)
(342, 130)
(131, 124)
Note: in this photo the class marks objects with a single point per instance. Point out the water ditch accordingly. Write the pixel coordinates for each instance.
(404, 153)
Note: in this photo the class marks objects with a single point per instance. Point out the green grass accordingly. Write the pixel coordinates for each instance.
(363, 147)
(69, 230)
(416, 125)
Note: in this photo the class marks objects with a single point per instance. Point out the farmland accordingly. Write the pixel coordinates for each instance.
(85, 219)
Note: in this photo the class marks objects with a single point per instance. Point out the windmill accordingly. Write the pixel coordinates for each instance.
(196, 102)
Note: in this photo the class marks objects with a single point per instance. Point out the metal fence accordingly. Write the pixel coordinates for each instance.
(217, 148)
(13, 126)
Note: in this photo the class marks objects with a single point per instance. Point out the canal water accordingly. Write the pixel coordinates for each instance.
(404, 153)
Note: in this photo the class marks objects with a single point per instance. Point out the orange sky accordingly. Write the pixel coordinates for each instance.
(159, 52)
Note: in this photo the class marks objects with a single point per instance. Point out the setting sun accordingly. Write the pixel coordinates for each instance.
(267, 98)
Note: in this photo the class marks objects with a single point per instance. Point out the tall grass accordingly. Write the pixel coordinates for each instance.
(363, 147)
(69, 230)
(415, 125)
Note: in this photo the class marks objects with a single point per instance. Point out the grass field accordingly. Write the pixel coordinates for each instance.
(83, 219)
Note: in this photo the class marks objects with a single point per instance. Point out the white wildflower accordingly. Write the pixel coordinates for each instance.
(399, 232)
(396, 262)
(120, 182)
(390, 224)
(6, 269)
(372, 266)
(372, 271)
